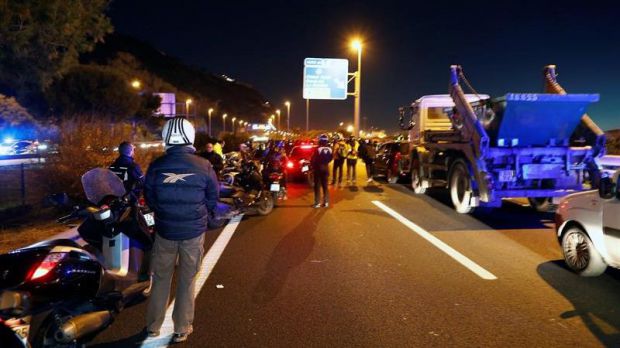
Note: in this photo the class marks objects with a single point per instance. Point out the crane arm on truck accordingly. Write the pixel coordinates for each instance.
(587, 129)
(471, 129)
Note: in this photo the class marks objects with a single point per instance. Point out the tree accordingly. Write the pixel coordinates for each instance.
(15, 119)
(42, 39)
(95, 90)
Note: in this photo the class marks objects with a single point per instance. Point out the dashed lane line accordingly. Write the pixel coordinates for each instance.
(460, 258)
(208, 263)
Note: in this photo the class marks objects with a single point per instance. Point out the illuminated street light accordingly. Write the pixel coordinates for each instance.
(288, 115)
(233, 124)
(136, 84)
(210, 112)
(278, 112)
(188, 102)
(356, 44)
(341, 124)
(350, 128)
(224, 122)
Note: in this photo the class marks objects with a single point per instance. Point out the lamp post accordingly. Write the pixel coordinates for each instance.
(224, 123)
(288, 115)
(233, 124)
(357, 45)
(278, 112)
(210, 111)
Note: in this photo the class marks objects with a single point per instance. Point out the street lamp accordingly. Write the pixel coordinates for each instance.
(233, 124)
(188, 101)
(224, 123)
(357, 45)
(278, 112)
(288, 115)
(210, 112)
(136, 84)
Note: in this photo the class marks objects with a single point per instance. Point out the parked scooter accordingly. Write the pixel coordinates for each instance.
(57, 293)
(276, 186)
(248, 193)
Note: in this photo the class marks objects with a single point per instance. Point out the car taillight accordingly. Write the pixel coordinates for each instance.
(47, 265)
(290, 164)
(306, 147)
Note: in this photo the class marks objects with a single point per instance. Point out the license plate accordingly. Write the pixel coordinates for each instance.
(506, 175)
(150, 219)
(305, 169)
(275, 188)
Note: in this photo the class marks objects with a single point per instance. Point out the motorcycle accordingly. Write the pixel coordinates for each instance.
(306, 170)
(58, 293)
(276, 186)
(248, 193)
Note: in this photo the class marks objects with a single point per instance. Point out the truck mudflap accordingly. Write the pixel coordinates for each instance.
(554, 117)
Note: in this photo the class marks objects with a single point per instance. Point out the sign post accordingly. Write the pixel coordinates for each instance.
(324, 78)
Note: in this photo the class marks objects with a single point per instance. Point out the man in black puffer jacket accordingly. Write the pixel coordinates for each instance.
(182, 190)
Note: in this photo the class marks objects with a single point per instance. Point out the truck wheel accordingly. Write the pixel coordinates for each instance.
(580, 254)
(460, 187)
(416, 181)
(541, 204)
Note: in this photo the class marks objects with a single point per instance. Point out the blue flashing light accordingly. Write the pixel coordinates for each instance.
(8, 140)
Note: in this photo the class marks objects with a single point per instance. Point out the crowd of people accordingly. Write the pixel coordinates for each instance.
(182, 188)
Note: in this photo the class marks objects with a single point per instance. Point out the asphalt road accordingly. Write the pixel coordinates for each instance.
(354, 275)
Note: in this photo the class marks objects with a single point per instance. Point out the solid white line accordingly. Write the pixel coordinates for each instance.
(462, 259)
(208, 263)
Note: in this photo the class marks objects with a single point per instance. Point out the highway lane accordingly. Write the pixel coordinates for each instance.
(353, 275)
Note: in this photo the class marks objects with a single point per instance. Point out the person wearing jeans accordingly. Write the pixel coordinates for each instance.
(340, 156)
(352, 148)
(321, 157)
(182, 190)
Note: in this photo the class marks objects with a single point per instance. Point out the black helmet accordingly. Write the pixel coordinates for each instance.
(323, 139)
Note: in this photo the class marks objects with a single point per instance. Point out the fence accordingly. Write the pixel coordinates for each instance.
(19, 186)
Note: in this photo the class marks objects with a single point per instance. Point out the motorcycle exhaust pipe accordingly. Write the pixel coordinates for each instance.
(82, 325)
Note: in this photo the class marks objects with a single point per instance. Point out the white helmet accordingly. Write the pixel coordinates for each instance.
(178, 131)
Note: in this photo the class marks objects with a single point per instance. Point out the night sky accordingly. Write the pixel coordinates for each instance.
(408, 46)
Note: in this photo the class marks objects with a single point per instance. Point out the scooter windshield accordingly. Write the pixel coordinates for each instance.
(99, 183)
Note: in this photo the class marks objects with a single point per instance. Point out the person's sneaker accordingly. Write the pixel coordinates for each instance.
(326, 205)
(317, 205)
(150, 333)
(182, 337)
(369, 180)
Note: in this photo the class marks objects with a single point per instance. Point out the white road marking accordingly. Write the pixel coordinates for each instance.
(208, 263)
(462, 259)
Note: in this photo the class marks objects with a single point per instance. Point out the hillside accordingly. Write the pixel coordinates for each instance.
(232, 97)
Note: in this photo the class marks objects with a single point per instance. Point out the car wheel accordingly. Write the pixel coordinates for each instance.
(580, 254)
(460, 187)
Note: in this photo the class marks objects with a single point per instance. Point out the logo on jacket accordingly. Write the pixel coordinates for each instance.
(172, 178)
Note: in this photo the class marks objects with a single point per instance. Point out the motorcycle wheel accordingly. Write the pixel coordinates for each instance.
(265, 206)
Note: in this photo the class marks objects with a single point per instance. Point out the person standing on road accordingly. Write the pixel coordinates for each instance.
(340, 155)
(182, 190)
(369, 155)
(321, 157)
(219, 147)
(352, 148)
(128, 170)
(213, 157)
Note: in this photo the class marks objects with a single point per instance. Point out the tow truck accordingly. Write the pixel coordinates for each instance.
(540, 146)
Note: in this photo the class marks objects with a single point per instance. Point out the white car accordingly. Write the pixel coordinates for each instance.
(588, 228)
